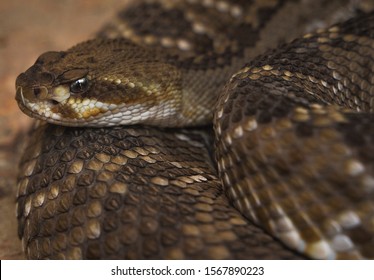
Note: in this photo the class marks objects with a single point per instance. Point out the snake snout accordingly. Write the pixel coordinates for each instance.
(31, 94)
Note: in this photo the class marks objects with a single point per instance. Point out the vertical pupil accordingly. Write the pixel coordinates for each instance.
(79, 85)
(37, 91)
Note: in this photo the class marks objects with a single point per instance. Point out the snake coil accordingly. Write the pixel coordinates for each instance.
(116, 175)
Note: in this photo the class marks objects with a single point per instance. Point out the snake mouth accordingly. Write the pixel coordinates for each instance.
(29, 97)
(58, 106)
(44, 110)
(73, 112)
(33, 102)
(40, 110)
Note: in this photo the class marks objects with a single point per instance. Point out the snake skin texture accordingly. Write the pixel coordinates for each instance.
(125, 193)
(293, 135)
(323, 208)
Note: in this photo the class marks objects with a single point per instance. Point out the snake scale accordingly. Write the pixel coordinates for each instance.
(126, 166)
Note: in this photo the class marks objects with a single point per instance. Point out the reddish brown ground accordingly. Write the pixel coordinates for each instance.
(27, 29)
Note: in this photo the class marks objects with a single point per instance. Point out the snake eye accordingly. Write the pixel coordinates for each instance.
(79, 86)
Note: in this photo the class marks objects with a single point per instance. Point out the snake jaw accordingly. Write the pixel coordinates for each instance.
(42, 101)
(60, 106)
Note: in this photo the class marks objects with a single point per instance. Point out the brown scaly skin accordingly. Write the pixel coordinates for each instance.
(163, 65)
(125, 193)
(307, 176)
(148, 193)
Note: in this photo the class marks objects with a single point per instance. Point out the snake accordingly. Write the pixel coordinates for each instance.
(204, 130)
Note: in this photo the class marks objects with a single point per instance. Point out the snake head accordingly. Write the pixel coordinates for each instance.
(102, 82)
(40, 91)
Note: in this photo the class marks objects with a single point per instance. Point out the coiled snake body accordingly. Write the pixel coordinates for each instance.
(293, 135)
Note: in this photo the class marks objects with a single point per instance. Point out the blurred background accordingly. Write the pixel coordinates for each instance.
(27, 29)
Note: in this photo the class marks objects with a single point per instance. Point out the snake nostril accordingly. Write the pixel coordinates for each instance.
(37, 92)
(40, 92)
